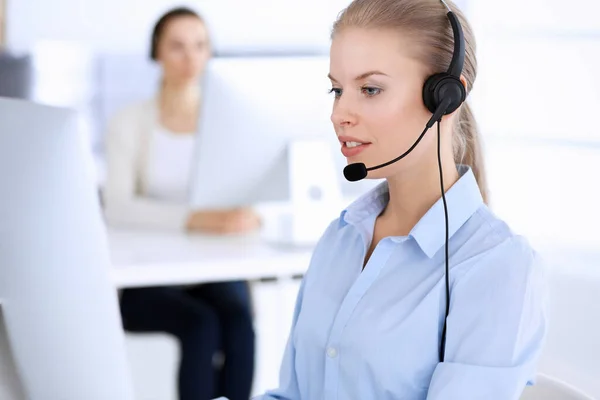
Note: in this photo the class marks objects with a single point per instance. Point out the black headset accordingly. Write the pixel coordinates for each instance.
(447, 85)
(443, 93)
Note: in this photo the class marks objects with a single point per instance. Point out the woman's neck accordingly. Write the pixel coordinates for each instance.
(414, 192)
(179, 99)
(179, 107)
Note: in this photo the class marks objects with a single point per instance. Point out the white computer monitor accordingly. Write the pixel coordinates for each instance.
(253, 108)
(59, 308)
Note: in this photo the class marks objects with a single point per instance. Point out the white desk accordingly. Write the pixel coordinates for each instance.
(143, 258)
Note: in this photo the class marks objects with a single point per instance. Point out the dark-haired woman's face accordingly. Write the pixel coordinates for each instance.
(183, 49)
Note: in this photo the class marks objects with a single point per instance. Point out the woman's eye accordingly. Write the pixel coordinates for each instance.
(371, 91)
(336, 92)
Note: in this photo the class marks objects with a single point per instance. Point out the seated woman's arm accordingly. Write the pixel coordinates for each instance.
(496, 327)
(123, 205)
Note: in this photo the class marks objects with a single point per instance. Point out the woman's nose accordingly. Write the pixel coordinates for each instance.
(343, 113)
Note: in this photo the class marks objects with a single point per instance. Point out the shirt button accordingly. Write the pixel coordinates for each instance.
(331, 352)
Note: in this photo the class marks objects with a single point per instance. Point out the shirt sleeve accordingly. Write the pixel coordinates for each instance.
(496, 327)
(124, 207)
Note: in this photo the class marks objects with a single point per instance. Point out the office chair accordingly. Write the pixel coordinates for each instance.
(16, 75)
(550, 388)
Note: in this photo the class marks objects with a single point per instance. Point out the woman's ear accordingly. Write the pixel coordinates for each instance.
(450, 117)
(464, 82)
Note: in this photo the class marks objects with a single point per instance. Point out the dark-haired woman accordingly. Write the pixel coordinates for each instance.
(149, 153)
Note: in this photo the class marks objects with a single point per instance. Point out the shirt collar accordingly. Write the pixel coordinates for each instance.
(372, 202)
(463, 199)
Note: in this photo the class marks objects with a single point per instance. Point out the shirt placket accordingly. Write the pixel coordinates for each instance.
(334, 356)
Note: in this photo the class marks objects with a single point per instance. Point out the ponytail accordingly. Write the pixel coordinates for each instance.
(469, 149)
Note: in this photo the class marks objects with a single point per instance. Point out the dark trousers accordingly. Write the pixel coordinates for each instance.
(207, 319)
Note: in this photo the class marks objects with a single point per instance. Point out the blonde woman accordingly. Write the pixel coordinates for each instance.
(370, 312)
(149, 151)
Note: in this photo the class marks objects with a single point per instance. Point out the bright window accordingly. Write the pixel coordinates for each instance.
(535, 98)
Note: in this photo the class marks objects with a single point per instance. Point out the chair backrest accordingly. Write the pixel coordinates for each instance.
(59, 308)
(16, 75)
(571, 352)
(550, 388)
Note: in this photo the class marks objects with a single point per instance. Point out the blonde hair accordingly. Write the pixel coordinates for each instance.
(426, 24)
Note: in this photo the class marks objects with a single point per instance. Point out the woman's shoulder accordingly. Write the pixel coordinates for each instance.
(494, 249)
(127, 124)
(133, 112)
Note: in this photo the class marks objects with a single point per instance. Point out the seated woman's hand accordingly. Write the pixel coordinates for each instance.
(238, 220)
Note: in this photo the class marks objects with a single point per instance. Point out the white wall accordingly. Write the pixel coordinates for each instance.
(537, 68)
(124, 26)
(539, 17)
(533, 99)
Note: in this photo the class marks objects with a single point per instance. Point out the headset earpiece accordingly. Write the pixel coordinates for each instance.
(447, 85)
(441, 86)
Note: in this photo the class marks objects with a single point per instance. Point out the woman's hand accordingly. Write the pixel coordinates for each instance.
(238, 220)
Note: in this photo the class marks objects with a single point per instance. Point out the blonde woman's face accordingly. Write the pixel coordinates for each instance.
(378, 87)
(183, 49)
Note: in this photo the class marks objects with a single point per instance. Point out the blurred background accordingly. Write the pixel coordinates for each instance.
(537, 91)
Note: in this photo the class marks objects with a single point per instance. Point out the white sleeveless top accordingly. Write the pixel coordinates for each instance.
(170, 159)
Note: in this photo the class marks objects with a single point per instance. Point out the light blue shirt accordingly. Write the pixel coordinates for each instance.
(375, 334)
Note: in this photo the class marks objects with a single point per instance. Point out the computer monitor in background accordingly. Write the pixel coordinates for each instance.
(59, 308)
(253, 109)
